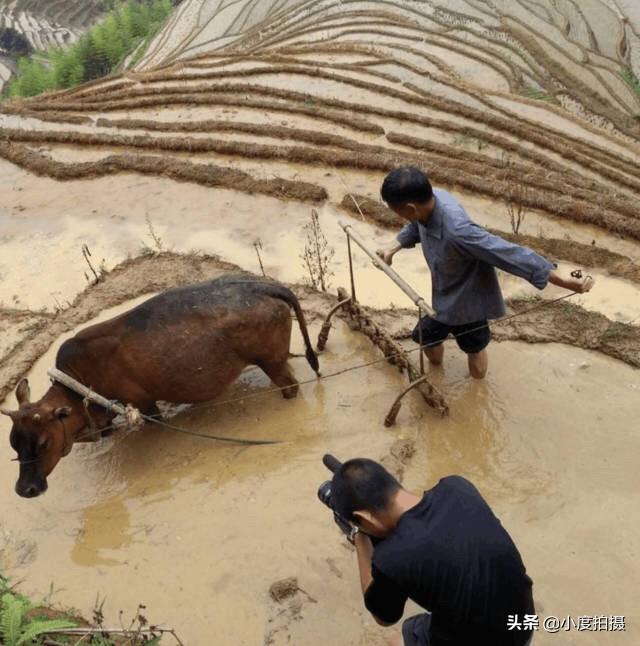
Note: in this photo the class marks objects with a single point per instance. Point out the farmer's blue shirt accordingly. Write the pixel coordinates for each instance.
(462, 257)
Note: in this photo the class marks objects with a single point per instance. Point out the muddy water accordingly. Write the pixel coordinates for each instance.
(198, 531)
(552, 442)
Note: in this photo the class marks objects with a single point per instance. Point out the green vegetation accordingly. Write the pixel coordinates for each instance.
(128, 26)
(17, 625)
(539, 95)
(24, 623)
(632, 80)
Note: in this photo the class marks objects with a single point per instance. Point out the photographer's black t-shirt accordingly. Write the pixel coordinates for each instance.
(451, 555)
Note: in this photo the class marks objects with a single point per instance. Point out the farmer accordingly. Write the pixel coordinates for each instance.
(461, 256)
(444, 550)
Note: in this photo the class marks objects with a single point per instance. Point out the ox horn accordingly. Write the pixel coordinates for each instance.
(23, 392)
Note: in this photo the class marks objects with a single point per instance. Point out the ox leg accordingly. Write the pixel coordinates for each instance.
(281, 375)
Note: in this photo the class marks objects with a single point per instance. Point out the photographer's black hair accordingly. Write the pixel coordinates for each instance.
(404, 185)
(362, 484)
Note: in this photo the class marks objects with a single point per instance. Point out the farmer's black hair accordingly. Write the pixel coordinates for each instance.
(404, 185)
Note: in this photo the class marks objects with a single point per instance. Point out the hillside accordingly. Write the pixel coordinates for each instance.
(41, 24)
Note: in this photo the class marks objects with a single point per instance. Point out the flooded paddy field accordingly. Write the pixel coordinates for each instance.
(180, 519)
(240, 121)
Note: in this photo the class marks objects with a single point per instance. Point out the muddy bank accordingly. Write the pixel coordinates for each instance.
(582, 255)
(178, 170)
(561, 322)
(341, 118)
(16, 324)
(569, 147)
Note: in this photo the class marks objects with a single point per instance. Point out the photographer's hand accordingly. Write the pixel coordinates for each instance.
(346, 527)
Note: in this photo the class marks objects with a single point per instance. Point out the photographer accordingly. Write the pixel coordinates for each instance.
(446, 551)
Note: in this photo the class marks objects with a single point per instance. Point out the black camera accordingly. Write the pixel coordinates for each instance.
(324, 492)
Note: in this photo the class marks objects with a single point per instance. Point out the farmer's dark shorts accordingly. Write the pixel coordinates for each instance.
(415, 630)
(470, 339)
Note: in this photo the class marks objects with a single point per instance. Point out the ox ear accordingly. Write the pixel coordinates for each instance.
(23, 392)
(63, 411)
(8, 413)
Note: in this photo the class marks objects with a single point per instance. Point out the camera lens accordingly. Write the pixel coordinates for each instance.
(324, 493)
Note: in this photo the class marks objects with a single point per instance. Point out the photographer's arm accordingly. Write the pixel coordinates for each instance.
(382, 598)
(364, 550)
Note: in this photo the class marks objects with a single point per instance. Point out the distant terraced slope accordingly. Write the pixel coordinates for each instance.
(45, 23)
(572, 51)
(267, 96)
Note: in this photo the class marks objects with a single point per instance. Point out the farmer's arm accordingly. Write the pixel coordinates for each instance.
(406, 239)
(512, 258)
(580, 285)
(381, 597)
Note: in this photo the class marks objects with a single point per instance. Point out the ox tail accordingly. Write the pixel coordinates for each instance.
(286, 295)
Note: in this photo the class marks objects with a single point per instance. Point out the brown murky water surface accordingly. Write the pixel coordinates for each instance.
(198, 531)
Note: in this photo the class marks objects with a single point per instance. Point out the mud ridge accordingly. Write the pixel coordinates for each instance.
(546, 138)
(178, 170)
(544, 194)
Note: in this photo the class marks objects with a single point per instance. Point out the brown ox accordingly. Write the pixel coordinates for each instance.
(185, 345)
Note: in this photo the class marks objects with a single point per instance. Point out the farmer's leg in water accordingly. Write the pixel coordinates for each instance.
(478, 364)
(472, 339)
(435, 354)
(462, 258)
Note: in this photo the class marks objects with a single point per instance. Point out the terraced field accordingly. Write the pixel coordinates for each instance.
(45, 23)
(242, 118)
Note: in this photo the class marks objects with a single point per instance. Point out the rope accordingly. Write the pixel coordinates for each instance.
(383, 359)
(150, 418)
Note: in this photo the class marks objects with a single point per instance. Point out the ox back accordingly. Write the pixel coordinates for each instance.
(188, 344)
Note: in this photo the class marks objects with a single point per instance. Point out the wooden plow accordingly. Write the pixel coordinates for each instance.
(396, 355)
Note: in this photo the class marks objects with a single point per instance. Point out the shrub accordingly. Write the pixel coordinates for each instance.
(98, 53)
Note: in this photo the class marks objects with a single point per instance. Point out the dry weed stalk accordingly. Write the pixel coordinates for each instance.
(257, 245)
(317, 254)
(157, 240)
(98, 274)
(516, 194)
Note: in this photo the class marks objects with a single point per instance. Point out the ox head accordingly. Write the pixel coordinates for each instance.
(39, 437)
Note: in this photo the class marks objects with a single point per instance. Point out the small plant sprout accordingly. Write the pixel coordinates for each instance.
(157, 240)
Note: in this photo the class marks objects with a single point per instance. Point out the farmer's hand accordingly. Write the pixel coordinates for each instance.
(578, 285)
(387, 253)
(582, 285)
